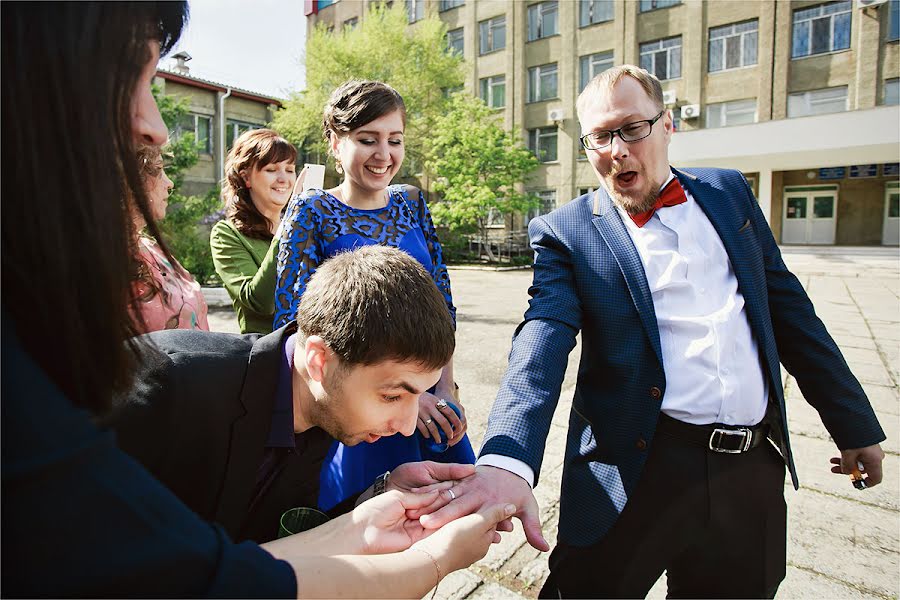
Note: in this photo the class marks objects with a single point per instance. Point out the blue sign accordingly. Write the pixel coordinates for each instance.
(889, 169)
(832, 173)
(857, 171)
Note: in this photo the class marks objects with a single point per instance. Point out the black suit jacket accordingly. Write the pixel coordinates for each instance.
(198, 418)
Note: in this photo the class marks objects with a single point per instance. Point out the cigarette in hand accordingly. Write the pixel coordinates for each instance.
(856, 478)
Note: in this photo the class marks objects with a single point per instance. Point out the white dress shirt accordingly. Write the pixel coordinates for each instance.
(710, 357)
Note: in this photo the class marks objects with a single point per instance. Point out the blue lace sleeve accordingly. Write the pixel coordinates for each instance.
(439, 268)
(299, 254)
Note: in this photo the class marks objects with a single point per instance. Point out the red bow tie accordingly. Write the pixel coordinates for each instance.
(671, 195)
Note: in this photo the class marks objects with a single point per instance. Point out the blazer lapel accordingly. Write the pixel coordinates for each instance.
(608, 222)
(249, 432)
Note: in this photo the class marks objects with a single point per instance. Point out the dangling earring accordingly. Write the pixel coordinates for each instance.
(338, 167)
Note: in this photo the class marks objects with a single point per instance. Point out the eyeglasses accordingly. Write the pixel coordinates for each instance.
(631, 132)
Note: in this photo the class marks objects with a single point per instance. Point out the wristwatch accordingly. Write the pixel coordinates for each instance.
(381, 483)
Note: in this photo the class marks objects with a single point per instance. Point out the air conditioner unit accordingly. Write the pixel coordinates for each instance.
(669, 97)
(690, 111)
(869, 3)
(556, 115)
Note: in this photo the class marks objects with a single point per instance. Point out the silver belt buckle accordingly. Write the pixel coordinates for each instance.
(718, 434)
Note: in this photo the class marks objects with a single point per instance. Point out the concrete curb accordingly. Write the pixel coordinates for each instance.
(216, 297)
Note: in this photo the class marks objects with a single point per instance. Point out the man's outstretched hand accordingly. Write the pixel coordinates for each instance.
(489, 486)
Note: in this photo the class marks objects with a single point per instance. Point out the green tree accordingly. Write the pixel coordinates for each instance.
(479, 168)
(188, 218)
(383, 47)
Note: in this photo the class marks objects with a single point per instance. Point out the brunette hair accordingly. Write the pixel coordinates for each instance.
(355, 103)
(254, 149)
(607, 80)
(70, 70)
(374, 304)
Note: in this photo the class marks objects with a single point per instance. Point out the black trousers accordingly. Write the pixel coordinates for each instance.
(715, 523)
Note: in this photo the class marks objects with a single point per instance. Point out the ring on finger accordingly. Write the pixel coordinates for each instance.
(452, 495)
(441, 404)
(429, 421)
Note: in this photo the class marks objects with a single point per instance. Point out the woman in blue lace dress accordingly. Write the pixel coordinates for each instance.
(364, 123)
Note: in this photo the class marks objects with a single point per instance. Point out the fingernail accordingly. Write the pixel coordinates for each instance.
(510, 509)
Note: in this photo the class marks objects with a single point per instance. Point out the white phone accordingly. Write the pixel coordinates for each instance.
(315, 177)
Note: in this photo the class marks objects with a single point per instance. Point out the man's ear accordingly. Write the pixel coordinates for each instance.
(317, 354)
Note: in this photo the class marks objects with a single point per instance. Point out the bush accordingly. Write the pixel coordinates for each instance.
(186, 231)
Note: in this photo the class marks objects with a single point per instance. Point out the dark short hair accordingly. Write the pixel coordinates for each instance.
(69, 76)
(254, 149)
(375, 304)
(355, 103)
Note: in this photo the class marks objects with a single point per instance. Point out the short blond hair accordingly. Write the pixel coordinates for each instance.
(607, 80)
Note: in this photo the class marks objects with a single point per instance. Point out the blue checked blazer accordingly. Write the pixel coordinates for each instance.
(588, 278)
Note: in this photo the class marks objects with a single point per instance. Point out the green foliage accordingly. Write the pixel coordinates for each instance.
(479, 167)
(189, 218)
(383, 47)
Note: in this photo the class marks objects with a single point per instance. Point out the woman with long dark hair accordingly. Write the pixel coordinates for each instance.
(80, 518)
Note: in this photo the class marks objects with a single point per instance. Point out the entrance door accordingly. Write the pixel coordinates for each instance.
(890, 236)
(810, 215)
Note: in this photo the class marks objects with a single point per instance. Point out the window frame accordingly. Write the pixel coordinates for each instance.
(743, 36)
(642, 50)
(415, 11)
(234, 126)
(488, 84)
(547, 197)
(536, 135)
(445, 5)
(724, 113)
(589, 59)
(195, 118)
(540, 9)
(808, 93)
(663, 4)
(893, 81)
(832, 28)
(893, 21)
(492, 25)
(462, 40)
(590, 11)
(534, 75)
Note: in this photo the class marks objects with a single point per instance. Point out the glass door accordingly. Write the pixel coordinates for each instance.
(890, 235)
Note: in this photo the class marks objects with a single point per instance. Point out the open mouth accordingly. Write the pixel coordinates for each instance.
(377, 170)
(626, 178)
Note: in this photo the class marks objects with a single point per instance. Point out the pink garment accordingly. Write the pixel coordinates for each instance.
(177, 302)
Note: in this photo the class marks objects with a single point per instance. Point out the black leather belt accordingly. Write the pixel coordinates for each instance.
(728, 439)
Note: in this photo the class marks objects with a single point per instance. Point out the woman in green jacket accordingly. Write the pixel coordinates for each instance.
(259, 178)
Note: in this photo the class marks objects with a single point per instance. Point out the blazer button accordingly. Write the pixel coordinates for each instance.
(655, 393)
(641, 444)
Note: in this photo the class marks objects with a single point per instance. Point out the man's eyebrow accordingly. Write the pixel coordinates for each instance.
(400, 384)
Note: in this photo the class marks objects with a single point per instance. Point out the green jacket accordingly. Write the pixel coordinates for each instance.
(247, 267)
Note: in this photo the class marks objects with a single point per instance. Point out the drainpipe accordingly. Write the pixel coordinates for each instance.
(222, 148)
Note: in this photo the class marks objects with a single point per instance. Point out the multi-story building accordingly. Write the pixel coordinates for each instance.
(802, 96)
(216, 112)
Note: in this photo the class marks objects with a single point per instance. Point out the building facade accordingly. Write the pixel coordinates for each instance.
(217, 113)
(802, 96)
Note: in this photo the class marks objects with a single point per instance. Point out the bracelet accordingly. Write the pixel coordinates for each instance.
(437, 567)
(381, 484)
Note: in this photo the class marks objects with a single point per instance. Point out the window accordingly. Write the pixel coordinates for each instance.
(200, 126)
(542, 83)
(234, 129)
(817, 102)
(543, 20)
(542, 141)
(448, 4)
(892, 91)
(733, 46)
(726, 114)
(595, 11)
(351, 23)
(593, 65)
(415, 10)
(894, 21)
(495, 218)
(585, 190)
(493, 91)
(455, 41)
(492, 34)
(654, 4)
(548, 204)
(822, 28)
(662, 58)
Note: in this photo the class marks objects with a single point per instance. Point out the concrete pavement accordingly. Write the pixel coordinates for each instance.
(842, 543)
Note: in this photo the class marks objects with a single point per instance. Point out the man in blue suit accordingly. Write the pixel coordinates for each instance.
(685, 308)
